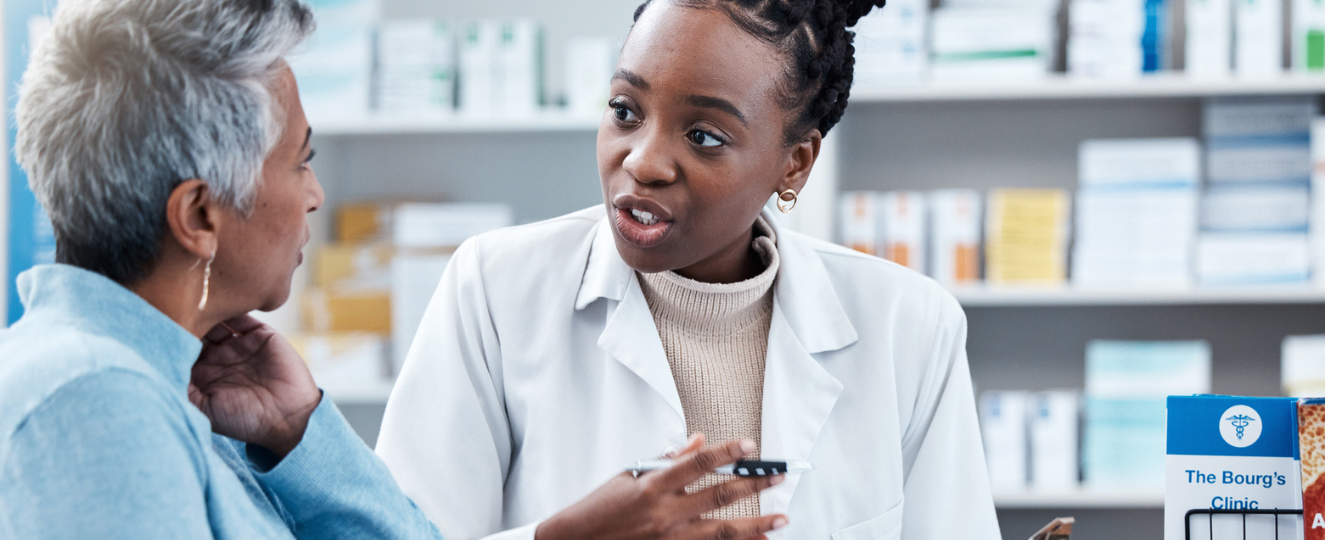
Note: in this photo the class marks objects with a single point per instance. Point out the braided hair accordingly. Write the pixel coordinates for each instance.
(813, 35)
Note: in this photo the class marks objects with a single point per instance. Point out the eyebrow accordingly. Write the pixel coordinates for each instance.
(632, 78)
(308, 136)
(720, 104)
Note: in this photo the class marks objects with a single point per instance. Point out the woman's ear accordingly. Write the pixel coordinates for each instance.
(800, 161)
(192, 219)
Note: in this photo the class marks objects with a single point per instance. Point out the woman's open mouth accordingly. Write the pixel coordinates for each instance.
(641, 227)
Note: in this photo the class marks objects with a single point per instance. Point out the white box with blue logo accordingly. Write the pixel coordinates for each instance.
(1229, 453)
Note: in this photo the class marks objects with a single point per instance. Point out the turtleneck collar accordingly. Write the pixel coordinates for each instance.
(716, 308)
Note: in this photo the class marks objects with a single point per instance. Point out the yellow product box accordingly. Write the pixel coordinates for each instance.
(1027, 237)
(364, 221)
(336, 310)
(353, 266)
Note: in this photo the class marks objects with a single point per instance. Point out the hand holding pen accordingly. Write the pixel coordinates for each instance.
(655, 504)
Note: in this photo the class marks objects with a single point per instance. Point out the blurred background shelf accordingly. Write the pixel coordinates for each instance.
(1067, 88)
(541, 122)
(1081, 499)
(1056, 87)
(985, 296)
(369, 393)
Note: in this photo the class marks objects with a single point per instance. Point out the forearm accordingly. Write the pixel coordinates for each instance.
(334, 487)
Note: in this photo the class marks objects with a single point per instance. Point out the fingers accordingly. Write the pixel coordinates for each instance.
(693, 445)
(740, 529)
(726, 493)
(690, 468)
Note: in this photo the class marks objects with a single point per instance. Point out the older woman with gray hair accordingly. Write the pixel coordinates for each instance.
(166, 140)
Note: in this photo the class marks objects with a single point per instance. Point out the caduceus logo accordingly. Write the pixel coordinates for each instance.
(1240, 423)
(1240, 426)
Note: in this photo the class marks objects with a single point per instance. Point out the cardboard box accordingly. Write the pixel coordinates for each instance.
(1003, 426)
(861, 229)
(329, 310)
(1232, 453)
(954, 217)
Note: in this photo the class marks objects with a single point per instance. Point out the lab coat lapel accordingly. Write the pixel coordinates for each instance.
(799, 393)
(629, 335)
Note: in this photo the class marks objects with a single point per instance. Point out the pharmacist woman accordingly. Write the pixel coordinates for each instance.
(555, 354)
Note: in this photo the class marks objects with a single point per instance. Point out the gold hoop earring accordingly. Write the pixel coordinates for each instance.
(783, 200)
(206, 281)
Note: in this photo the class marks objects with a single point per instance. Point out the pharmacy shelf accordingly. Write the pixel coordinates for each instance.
(1061, 87)
(1069, 296)
(1053, 88)
(1083, 498)
(372, 393)
(541, 122)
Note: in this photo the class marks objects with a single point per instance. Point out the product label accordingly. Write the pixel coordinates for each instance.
(1232, 453)
(1311, 436)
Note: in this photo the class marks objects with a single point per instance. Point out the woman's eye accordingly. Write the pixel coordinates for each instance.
(623, 113)
(705, 139)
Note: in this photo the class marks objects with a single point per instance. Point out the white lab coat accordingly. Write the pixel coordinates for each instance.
(538, 374)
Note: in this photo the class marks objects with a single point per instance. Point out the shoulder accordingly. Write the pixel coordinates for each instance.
(544, 237)
(79, 381)
(542, 248)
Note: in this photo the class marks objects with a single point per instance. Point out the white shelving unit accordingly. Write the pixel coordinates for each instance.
(1051, 88)
(1064, 87)
(1069, 296)
(1083, 498)
(542, 122)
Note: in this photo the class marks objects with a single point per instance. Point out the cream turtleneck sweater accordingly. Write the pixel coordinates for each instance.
(716, 338)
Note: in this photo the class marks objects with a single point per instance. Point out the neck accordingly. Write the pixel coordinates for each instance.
(736, 262)
(174, 288)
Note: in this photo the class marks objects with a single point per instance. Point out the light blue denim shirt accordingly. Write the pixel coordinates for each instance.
(99, 440)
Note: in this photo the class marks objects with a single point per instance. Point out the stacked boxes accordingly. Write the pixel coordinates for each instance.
(954, 225)
(1136, 212)
(1209, 50)
(589, 65)
(1003, 430)
(891, 225)
(890, 45)
(1117, 38)
(1258, 37)
(1026, 242)
(373, 284)
(1031, 440)
(1308, 36)
(991, 43)
(1256, 213)
(416, 72)
(1126, 385)
(335, 72)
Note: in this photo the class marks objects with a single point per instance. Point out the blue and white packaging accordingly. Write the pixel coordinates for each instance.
(1232, 453)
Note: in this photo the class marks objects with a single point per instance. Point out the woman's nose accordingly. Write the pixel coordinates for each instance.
(319, 196)
(650, 160)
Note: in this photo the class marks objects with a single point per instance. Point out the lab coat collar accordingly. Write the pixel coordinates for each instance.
(803, 289)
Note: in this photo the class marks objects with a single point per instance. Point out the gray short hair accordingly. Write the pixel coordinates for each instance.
(125, 99)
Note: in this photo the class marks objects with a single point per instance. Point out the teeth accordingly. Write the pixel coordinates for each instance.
(644, 217)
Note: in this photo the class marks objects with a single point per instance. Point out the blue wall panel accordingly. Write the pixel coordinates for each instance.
(31, 240)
